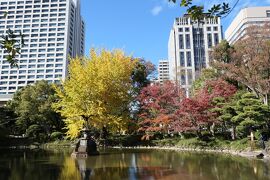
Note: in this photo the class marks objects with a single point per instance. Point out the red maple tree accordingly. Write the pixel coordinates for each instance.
(158, 104)
(195, 114)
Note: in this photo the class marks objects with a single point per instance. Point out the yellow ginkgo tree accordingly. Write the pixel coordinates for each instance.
(97, 92)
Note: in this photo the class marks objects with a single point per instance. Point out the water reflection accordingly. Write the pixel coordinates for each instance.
(129, 164)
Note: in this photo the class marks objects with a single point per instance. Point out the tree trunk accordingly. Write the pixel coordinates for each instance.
(251, 136)
(199, 134)
(233, 133)
(212, 129)
(265, 99)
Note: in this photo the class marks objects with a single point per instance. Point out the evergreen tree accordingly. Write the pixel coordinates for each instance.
(251, 113)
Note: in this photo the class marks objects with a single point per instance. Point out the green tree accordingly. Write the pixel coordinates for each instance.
(7, 121)
(251, 113)
(207, 74)
(32, 106)
(198, 12)
(242, 113)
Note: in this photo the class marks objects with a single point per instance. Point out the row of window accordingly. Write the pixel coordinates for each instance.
(34, 16)
(30, 2)
(32, 72)
(42, 50)
(215, 28)
(31, 20)
(210, 41)
(42, 55)
(24, 82)
(186, 77)
(32, 6)
(30, 11)
(33, 25)
(185, 61)
(56, 76)
(188, 44)
(181, 41)
(30, 66)
(13, 88)
(36, 30)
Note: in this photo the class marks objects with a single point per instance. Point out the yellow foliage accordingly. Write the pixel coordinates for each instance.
(69, 170)
(97, 90)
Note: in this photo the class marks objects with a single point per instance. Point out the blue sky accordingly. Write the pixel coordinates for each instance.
(140, 27)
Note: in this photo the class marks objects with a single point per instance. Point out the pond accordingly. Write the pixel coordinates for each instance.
(115, 164)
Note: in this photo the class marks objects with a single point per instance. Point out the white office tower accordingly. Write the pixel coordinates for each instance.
(188, 49)
(163, 71)
(245, 18)
(53, 31)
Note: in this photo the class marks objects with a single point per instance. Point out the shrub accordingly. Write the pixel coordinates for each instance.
(35, 132)
(56, 136)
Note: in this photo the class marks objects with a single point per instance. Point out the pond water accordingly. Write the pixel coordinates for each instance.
(129, 164)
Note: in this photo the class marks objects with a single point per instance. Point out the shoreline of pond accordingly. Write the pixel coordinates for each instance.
(70, 144)
(246, 154)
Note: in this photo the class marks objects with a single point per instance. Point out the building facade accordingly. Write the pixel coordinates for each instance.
(163, 71)
(245, 18)
(53, 31)
(190, 43)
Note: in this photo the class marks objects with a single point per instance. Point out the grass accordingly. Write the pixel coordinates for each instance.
(213, 143)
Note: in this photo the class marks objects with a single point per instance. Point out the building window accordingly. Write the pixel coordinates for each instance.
(183, 77)
(268, 13)
(182, 59)
(189, 59)
(180, 29)
(181, 41)
(209, 39)
(216, 39)
(187, 41)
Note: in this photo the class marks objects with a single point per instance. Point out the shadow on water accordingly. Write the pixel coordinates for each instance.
(129, 164)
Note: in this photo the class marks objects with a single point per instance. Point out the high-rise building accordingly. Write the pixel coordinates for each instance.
(245, 18)
(188, 49)
(163, 71)
(53, 31)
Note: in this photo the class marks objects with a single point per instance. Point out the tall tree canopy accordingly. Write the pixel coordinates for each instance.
(33, 107)
(198, 12)
(97, 92)
(158, 103)
(195, 113)
(248, 61)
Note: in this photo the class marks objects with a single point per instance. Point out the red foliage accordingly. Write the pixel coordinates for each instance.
(218, 88)
(158, 105)
(163, 107)
(194, 113)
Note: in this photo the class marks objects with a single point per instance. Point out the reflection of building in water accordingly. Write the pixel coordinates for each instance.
(133, 167)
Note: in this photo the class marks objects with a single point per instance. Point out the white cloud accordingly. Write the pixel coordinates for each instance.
(156, 10)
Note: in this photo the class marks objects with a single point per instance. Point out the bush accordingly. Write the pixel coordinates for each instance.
(56, 136)
(35, 132)
(3, 132)
(241, 144)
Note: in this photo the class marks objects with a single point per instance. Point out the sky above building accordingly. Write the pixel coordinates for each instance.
(140, 27)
